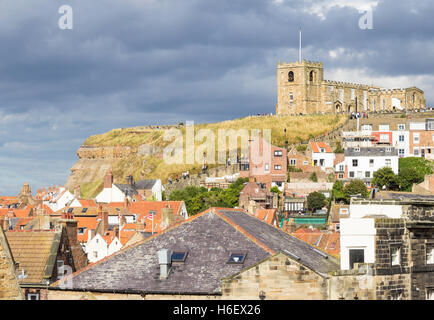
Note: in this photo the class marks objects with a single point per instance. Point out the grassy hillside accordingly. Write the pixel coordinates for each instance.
(298, 128)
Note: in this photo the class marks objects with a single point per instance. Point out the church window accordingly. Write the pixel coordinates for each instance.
(291, 76)
(311, 76)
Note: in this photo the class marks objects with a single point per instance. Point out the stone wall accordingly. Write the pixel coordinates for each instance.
(280, 278)
(9, 288)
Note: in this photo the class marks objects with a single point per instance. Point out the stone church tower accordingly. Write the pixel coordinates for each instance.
(299, 87)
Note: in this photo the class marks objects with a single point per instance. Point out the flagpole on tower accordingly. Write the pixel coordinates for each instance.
(299, 42)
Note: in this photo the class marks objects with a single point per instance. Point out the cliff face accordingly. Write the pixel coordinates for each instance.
(94, 162)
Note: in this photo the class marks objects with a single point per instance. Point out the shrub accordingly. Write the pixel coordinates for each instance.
(313, 177)
(353, 188)
(316, 201)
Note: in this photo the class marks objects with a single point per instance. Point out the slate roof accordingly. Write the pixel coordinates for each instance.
(126, 188)
(396, 195)
(144, 184)
(371, 152)
(32, 250)
(209, 238)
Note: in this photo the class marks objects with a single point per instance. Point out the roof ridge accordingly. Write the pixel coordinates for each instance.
(243, 231)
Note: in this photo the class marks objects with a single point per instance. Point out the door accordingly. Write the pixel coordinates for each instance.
(356, 256)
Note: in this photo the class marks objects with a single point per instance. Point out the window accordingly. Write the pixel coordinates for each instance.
(371, 162)
(278, 167)
(353, 94)
(292, 162)
(367, 127)
(396, 296)
(305, 163)
(81, 230)
(84, 210)
(384, 127)
(237, 257)
(70, 210)
(401, 127)
(388, 162)
(356, 149)
(290, 76)
(341, 95)
(331, 88)
(430, 254)
(416, 151)
(384, 138)
(395, 256)
(401, 138)
(179, 256)
(401, 152)
(355, 162)
(278, 153)
(356, 256)
(311, 76)
(416, 137)
(267, 167)
(388, 150)
(95, 254)
(341, 168)
(33, 296)
(341, 175)
(367, 174)
(322, 150)
(291, 98)
(351, 174)
(430, 293)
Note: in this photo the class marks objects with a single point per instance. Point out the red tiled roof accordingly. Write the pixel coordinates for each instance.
(87, 203)
(316, 147)
(326, 241)
(266, 215)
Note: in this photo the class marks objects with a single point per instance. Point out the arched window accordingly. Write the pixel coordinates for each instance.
(311, 76)
(290, 76)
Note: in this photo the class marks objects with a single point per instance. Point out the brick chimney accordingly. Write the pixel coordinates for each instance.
(70, 225)
(167, 215)
(4, 222)
(108, 179)
(103, 217)
(130, 180)
(140, 225)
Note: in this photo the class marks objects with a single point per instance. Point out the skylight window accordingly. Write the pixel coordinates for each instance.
(179, 256)
(70, 210)
(237, 257)
(84, 210)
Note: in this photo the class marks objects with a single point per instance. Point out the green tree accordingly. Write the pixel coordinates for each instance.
(275, 189)
(407, 177)
(385, 177)
(421, 165)
(355, 187)
(316, 200)
(338, 191)
(313, 177)
(338, 148)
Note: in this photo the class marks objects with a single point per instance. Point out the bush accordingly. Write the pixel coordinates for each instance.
(275, 189)
(338, 191)
(353, 188)
(338, 148)
(302, 147)
(409, 176)
(316, 201)
(294, 169)
(313, 177)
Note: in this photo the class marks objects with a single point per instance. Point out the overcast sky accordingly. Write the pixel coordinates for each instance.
(140, 62)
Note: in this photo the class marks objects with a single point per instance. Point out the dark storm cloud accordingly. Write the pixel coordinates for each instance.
(138, 62)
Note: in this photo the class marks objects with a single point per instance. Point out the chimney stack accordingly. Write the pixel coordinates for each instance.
(103, 217)
(165, 262)
(167, 215)
(108, 179)
(130, 180)
(70, 225)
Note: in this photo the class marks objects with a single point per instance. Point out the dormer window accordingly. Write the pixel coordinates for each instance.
(237, 257)
(179, 256)
(322, 150)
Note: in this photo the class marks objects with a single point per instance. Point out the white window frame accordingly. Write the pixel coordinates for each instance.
(292, 162)
(388, 162)
(36, 294)
(277, 167)
(401, 127)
